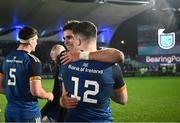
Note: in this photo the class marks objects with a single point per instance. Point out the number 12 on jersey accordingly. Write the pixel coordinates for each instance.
(87, 83)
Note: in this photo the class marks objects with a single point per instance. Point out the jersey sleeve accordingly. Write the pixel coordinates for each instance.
(35, 69)
(118, 77)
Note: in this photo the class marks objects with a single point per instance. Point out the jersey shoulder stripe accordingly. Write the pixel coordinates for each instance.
(35, 78)
(34, 57)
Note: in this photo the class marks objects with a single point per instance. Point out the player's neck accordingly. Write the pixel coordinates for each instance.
(89, 47)
(24, 48)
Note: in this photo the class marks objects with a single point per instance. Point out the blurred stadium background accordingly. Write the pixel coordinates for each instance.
(147, 31)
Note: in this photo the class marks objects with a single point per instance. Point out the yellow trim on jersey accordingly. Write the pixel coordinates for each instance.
(122, 88)
(1, 75)
(35, 78)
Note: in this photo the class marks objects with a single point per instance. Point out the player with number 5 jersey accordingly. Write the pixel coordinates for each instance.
(20, 80)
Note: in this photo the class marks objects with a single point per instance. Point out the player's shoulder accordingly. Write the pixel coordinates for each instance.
(33, 58)
(97, 64)
(10, 54)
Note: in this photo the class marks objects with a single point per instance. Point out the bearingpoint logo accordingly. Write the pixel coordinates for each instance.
(156, 59)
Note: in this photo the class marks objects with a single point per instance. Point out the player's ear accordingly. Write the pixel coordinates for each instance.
(79, 41)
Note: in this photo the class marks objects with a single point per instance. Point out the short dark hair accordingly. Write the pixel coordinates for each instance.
(86, 29)
(70, 25)
(27, 32)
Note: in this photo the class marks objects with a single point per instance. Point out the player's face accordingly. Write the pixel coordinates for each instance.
(53, 54)
(69, 40)
(33, 43)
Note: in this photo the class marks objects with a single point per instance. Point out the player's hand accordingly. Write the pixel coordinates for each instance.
(66, 101)
(70, 56)
(50, 96)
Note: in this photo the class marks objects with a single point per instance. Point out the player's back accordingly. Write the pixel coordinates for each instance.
(91, 82)
(17, 88)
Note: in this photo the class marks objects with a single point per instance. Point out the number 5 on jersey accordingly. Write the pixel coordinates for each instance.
(12, 77)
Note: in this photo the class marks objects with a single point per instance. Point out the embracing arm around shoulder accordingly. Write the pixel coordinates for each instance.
(109, 55)
(119, 93)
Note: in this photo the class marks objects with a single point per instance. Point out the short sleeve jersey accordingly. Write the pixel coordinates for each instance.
(92, 83)
(19, 68)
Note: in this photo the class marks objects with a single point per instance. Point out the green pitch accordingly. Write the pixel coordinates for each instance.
(151, 99)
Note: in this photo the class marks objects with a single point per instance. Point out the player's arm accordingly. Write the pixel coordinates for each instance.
(35, 82)
(1, 83)
(66, 101)
(37, 90)
(109, 55)
(119, 94)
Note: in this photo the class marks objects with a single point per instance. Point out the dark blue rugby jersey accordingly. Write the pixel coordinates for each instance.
(18, 68)
(92, 83)
(118, 77)
(53, 110)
